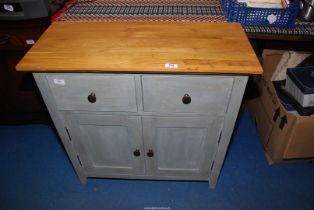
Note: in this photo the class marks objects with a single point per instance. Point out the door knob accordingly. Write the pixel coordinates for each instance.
(150, 153)
(136, 153)
(91, 97)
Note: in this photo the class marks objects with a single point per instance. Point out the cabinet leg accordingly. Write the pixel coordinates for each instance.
(83, 179)
(213, 178)
(212, 184)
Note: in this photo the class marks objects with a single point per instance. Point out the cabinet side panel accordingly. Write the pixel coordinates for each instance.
(229, 122)
(59, 124)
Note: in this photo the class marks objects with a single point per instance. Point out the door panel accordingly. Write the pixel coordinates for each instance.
(181, 146)
(106, 143)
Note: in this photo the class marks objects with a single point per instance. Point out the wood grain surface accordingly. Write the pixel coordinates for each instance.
(142, 47)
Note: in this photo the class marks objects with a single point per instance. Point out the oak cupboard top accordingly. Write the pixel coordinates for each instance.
(142, 47)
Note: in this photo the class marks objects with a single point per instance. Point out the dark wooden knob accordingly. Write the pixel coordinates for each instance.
(91, 97)
(136, 153)
(186, 99)
(150, 153)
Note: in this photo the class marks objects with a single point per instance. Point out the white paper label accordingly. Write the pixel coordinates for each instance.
(171, 66)
(59, 81)
(30, 42)
(8, 7)
(272, 18)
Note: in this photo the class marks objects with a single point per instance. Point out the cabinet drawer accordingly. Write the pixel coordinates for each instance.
(93, 92)
(186, 94)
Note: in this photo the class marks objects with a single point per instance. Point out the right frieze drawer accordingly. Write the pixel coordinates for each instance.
(186, 94)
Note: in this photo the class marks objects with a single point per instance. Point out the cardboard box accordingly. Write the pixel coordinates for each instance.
(286, 137)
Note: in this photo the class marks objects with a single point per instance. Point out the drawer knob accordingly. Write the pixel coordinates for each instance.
(186, 99)
(91, 97)
(136, 153)
(150, 153)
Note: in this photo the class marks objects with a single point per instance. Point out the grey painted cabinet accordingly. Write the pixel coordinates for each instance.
(144, 126)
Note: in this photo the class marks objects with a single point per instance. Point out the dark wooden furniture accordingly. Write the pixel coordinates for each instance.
(20, 99)
(281, 42)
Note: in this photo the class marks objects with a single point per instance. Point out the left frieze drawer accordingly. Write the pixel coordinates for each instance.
(95, 92)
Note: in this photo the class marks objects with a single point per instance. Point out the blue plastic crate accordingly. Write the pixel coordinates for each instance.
(239, 12)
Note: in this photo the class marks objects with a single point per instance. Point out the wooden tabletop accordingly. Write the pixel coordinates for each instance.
(142, 47)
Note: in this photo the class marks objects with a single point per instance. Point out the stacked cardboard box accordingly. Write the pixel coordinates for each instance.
(285, 136)
(300, 84)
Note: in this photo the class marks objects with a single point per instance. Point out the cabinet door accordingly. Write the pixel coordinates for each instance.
(180, 147)
(108, 145)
